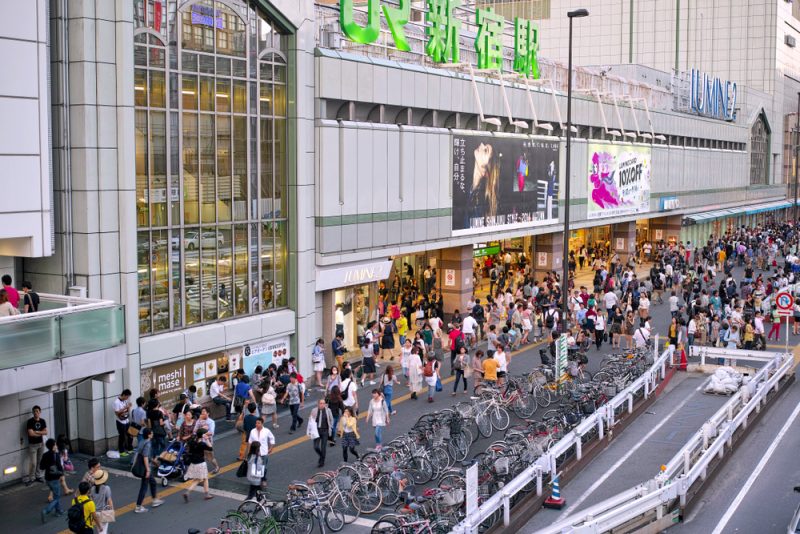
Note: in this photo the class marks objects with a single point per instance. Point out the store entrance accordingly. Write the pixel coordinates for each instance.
(411, 267)
(352, 312)
(597, 241)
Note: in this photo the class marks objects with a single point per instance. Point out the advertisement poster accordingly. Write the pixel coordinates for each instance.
(502, 183)
(619, 180)
(265, 353)
(172, 379)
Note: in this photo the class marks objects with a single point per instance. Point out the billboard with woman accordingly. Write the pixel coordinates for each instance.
(502, 183)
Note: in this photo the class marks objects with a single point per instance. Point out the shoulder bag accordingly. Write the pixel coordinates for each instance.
(138, 468)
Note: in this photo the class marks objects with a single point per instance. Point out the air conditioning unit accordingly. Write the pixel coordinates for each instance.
(331, 39)
(789, 41)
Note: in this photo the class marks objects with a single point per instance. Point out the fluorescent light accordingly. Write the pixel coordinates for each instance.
(222, 95)
(264, 99)
(187, 92)
(10, 470)
(139, 87)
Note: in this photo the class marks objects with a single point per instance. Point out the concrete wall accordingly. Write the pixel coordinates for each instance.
(25, 207)
(385, 190)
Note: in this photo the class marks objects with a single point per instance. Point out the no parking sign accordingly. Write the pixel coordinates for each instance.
(784, 303)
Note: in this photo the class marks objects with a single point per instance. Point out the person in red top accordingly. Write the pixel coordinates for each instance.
(11, 293)
(455, 334)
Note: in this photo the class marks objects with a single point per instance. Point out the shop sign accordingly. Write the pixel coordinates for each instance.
(659, 235)
(618, 180)
(503, 183)
(362, 273)
(265, 353)
(450, 277)
(670, 203)
(711, 97)
(174, 378)
(541, 259)
(442, 31)
(482, 249)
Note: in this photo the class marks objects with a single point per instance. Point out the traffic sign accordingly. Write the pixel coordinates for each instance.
(784, 303)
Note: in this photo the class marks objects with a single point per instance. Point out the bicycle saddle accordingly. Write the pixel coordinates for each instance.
(194, 531)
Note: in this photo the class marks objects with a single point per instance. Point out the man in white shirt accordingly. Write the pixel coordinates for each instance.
(264, 437)
(641, 336)
(218, 396)
(610, 300)
(673, 304)
(338, 319)
(122, 406)
(691, 330)
(349, 385)
(468, 327)
(502, 364)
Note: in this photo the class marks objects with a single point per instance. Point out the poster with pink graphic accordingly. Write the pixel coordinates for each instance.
(619, 180)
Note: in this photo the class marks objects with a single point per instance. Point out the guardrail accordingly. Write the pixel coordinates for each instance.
(687, 467)
(604, 418)
(70, 326)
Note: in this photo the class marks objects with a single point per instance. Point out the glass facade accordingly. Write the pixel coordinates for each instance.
(210, 89)
(759, 152)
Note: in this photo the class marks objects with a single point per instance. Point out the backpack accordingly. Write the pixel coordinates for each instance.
(346, 390)
(76, 521)
(459, 343)
(549, 320)
(428, 370)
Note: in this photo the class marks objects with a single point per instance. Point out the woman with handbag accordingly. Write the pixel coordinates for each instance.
(318, 361)
(378, 414)
(53, 471)
(197, 472)
(269, 404)
(101, 496)
(255, 469)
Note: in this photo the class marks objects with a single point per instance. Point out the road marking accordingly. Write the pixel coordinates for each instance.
(628, 454)
(172, 490)
(756, 472)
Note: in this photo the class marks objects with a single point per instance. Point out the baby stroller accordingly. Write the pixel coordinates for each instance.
(172, 462)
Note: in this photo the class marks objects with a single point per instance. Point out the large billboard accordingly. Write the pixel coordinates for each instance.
(502, 183)
(619, 180)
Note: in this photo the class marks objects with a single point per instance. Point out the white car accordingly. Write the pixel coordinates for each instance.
(210, 239)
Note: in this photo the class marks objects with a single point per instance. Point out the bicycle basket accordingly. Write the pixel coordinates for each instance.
(501, 466)
(573, 418)
(345, 483)
(388, 466)
(610, 390)
(454, 497)
(540, 379)
(455, 425)
(587, 407)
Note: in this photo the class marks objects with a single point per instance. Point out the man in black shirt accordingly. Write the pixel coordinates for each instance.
(30, 299)
(36, 429)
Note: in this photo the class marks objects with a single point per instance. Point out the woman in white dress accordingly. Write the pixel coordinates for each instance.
(414, 373)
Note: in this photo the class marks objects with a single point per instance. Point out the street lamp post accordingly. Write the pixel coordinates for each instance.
(576, 13)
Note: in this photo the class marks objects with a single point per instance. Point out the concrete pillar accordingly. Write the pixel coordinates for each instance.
(456, 273)
(548, 254)
(623, 240)
(665, 228)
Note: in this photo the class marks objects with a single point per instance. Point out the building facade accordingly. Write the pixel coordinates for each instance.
(237, 177)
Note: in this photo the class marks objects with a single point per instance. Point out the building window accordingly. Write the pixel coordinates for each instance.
(210, 87)
(789, 140)
(527, 9)
(759, 151)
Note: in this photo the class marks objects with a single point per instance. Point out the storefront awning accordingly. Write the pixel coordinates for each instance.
(771, 206)
(708, 216)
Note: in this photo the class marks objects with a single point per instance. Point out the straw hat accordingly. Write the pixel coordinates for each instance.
(100, 477)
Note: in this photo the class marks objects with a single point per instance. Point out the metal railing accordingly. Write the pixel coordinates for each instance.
(329, 35)
(603, 419)
(689, 465)
(65, 326)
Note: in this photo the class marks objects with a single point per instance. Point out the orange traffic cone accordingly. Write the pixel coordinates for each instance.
(684, 362)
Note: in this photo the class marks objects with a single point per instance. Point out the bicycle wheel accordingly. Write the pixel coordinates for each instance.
(484, 423)
(390, 488)
(347, 477)
(366, 497)
(344, 504)
(388, 524)
(440, 460)
(457, 448)
(334, 519)
(500, 418)
(237, 523)
(299, 518)
(542, 396)
(441, 526)
(420, 469)
(469, 438)
(451, 481)
(584, 377)
(276, 527)
(524, 406)
(254, 510)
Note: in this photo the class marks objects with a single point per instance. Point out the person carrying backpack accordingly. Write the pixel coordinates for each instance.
(431, 374)
(82, 516)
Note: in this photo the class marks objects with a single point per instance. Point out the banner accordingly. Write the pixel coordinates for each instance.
(619, 180)
(265, 353)
(174, 378)
(502, 183)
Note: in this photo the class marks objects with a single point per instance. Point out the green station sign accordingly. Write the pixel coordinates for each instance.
(490, 249)
(442, 29)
